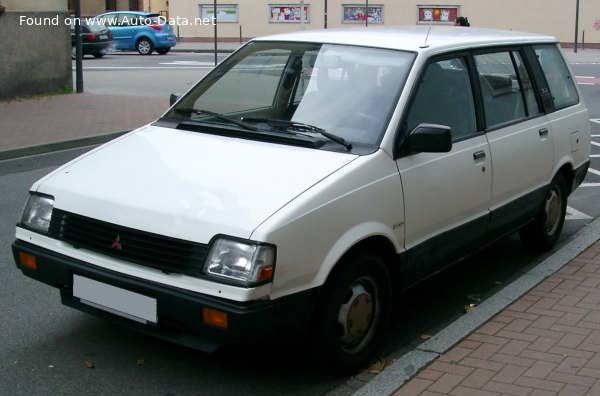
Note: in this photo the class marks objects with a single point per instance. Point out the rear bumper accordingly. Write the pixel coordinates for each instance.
(165, 40)
(97, 47)
(179, 311)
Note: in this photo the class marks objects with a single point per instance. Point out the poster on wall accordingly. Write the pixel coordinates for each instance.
(287, 13)
(358, 14)
(225, 13)
(437, 14)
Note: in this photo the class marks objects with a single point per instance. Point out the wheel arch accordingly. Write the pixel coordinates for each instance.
(380, 245)
(567, 170)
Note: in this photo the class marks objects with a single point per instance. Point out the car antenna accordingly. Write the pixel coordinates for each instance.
(425, 45)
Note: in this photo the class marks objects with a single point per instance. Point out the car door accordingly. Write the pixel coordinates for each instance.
(446, 195)
(122, 30)
(519, 136)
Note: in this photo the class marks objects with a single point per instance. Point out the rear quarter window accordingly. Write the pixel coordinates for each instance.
(558, 77)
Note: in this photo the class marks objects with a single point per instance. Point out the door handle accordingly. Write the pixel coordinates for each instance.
(543, 132)
(479, 155)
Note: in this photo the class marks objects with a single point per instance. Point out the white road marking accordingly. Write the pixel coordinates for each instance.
(573, 214)
(590, 185)
(594, 171)
(595, 143)
(188, 63)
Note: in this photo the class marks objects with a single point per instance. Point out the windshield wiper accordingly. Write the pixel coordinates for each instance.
(301, 127)
(217, 115)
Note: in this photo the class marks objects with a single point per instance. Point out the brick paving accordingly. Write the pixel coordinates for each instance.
(545, 343)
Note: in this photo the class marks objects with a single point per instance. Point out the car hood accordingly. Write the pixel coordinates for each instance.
(188, 185)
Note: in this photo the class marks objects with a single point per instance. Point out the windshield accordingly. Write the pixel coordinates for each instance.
(345, 91)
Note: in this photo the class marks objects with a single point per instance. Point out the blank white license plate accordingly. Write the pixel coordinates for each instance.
(103, 37)
(113, 299)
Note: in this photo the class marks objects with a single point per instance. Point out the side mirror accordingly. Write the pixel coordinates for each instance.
(430, 138)
(174, 97)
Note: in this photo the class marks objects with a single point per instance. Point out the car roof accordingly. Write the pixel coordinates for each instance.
(420, 38)
(150, 14)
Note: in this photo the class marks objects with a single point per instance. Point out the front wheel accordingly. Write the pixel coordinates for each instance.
(543, 232)
(353, 313)
(144, 46)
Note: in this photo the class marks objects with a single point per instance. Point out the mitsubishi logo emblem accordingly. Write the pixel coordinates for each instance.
(116, 243)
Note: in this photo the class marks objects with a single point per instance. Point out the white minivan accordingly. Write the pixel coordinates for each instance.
(306, 179)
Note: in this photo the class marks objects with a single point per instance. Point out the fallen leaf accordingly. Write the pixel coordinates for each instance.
(470, 307)
(378, 366)
(425, 336)
(89, 364)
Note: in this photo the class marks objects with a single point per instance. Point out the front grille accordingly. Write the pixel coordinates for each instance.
(128, 244)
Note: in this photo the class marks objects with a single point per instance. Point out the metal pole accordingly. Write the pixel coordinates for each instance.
(78, 50)
(576, 25)
(215, 25)
(366, 13)
(325, 16)
(302, 14)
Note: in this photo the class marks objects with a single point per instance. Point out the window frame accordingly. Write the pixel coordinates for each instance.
(533, 75)
(400, 148)
(545, 90)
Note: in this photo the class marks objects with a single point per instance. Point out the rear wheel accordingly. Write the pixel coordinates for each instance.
(353, 313)
(543, 232)
(144, 46)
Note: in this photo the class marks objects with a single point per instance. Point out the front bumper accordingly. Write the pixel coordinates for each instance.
(179, 311)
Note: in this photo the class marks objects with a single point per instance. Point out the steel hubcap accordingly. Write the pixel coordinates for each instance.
(357, 315)
(553, 210)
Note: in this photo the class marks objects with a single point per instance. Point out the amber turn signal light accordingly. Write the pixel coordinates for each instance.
(27, 260)
(213, 317)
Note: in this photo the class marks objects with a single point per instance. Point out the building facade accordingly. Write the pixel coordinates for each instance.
(37, 64)
(246, 19)
(95, 7)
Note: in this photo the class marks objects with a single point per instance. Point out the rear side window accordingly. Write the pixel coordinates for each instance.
(506, 88)
(559, 79)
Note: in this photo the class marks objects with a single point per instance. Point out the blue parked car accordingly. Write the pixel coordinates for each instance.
(141, 31)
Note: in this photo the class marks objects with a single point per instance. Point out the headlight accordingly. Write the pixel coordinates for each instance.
(240, 261)
(38, 212)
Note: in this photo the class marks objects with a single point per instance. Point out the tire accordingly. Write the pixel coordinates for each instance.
(98, 55)
(543, 232)
(163, 51)
(353, 313)
(144, 46)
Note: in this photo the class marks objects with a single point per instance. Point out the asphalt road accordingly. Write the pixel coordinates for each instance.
(46, 348)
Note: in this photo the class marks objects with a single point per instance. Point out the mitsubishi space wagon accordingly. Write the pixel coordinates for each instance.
(307, 179)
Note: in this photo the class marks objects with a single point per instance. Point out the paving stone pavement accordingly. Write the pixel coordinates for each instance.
(545, 343)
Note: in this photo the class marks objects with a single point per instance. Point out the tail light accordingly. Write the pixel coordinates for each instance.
(89, 37)
(156, 27)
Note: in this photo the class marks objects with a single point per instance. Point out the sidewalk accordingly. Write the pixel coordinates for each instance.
(547, 342)
(539, 335)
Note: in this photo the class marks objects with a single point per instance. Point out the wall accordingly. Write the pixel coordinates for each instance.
(40, 58)
(553, 17)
